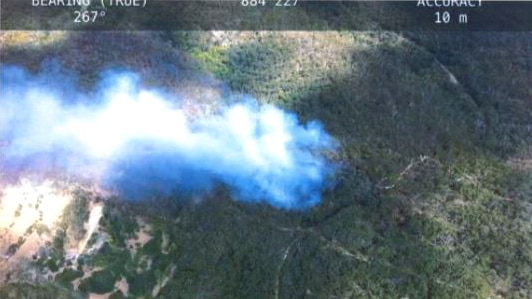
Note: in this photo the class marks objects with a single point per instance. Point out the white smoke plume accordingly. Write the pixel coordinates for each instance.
(141, 142)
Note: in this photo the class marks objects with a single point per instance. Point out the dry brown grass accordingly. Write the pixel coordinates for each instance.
(30, 38)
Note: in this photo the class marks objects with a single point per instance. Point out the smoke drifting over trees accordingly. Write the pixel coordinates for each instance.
(142, 143)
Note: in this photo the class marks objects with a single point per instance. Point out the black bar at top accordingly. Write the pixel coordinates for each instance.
(306, 15)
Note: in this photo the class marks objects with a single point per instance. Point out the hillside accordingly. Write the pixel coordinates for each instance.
(432, 197)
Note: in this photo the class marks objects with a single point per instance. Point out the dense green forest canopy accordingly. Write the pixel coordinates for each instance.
(433, 199)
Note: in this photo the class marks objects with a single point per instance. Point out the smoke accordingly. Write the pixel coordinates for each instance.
(141, 142)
